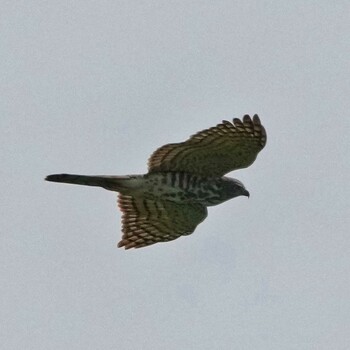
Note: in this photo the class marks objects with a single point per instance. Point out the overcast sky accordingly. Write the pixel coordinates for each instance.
(94, 87)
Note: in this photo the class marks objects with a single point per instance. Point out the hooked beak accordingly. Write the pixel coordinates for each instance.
(246, 193)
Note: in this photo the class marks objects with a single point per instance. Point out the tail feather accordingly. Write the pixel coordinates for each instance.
(113, 183)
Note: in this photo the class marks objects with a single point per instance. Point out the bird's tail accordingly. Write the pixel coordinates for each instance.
(112, 183)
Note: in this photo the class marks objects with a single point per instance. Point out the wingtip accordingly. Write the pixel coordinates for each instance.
(256, 119)
(125, 244)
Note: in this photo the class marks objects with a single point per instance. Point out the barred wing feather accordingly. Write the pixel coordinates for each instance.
(214, 151)
(146, 221)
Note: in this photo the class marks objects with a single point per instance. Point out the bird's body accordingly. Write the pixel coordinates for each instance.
(178, 187)
(183, 180)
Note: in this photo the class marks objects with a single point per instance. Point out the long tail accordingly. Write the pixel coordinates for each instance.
(113, 183)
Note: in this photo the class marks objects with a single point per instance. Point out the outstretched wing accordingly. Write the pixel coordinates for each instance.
(146, 222)
(215, 151)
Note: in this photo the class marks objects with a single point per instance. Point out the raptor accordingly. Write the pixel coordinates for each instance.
(183, 179)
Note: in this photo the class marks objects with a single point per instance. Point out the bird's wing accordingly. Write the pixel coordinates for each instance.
(215, 151)
(146, 221)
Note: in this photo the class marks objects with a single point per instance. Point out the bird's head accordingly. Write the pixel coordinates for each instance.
(234, 188)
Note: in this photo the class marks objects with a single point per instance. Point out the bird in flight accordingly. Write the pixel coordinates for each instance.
(183, 179)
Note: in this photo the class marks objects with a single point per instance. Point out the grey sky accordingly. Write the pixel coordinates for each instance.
(94, 87)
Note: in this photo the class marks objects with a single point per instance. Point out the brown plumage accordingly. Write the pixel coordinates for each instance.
(214, 151)
(183, 180)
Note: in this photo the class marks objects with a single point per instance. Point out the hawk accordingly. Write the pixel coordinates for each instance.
(183, 179)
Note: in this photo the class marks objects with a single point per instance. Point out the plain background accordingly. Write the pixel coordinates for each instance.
(94, 87)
